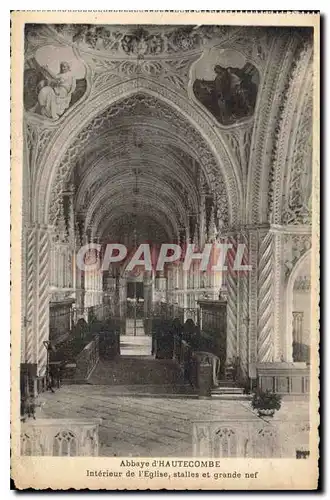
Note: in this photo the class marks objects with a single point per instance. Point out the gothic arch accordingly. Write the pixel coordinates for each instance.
(215, 158)
(287, 340)
(272, 98)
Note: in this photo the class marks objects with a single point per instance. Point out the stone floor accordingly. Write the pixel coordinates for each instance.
(137, 425)
(136, 370)
(138, 345)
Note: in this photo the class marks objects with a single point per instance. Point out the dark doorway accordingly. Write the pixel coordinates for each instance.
(135, 290)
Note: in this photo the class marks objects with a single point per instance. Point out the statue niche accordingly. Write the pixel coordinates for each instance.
(232, 95)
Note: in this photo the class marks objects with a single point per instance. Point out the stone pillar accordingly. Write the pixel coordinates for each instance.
(253, 302)
(279, 295)
(243, 312)
(231, 286)
(37, 295)
(265, 329)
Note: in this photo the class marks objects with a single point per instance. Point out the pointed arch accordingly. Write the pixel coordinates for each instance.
(287, 341)
(218, 165)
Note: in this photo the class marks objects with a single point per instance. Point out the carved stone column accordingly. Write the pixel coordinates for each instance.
(243, 312)
(253, 301)
(265, 331)
(37, 295)
(279, 295)
(231, 286)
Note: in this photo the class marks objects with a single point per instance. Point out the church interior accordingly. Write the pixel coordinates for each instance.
(186, 135)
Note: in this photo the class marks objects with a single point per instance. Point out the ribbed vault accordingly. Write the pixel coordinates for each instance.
(138, 166)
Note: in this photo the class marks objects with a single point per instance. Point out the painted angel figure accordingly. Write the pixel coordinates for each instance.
(54, 93)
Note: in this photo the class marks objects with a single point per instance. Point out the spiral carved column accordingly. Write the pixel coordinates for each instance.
(29, 323)
(43, 272)
(253, 299)
(243, 315)
(279, 298)
(265, 300)
(231, 285)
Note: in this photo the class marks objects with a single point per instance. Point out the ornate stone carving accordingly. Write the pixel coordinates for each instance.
(173, 72)
(30, 351)
(265, 299)
(273, 84)
(43, 296)
(231, 289)
(253, 296)
(283, 158)
(37, 301)
(278, 295)
(295, 245)
(222, 162)
(142, 41)
(297, 209)
(243, 313)
(37, 137)
(143, 105)
(239, 140)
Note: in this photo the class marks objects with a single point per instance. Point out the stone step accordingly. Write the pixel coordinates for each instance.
(227, 383)
(231, 397)
(228, 390)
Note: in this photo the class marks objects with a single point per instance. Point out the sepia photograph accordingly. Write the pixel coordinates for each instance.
(165, 250)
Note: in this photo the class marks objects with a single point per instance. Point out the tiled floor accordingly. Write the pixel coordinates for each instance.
(146, 426)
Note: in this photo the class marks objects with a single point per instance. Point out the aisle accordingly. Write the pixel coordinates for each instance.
(140, 345)
(140, 370)
(142, 426)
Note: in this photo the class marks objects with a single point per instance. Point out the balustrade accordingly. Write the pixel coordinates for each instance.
(250, 438)
(87, 359)
(60, 437)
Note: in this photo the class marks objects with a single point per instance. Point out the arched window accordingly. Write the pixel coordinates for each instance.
(65, 444)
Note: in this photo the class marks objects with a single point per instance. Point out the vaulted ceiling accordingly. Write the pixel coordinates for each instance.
(138, 171)
(135, 161)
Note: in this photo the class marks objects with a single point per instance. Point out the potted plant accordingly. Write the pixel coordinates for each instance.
(266, 402)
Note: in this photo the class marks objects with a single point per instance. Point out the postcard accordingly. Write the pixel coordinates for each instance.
(165, 250)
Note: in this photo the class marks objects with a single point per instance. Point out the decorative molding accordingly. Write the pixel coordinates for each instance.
(295, 246)
(37, 138)
(173, 72)
(148, 41)
(273, 84)
(297, 207)
(291, 131)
